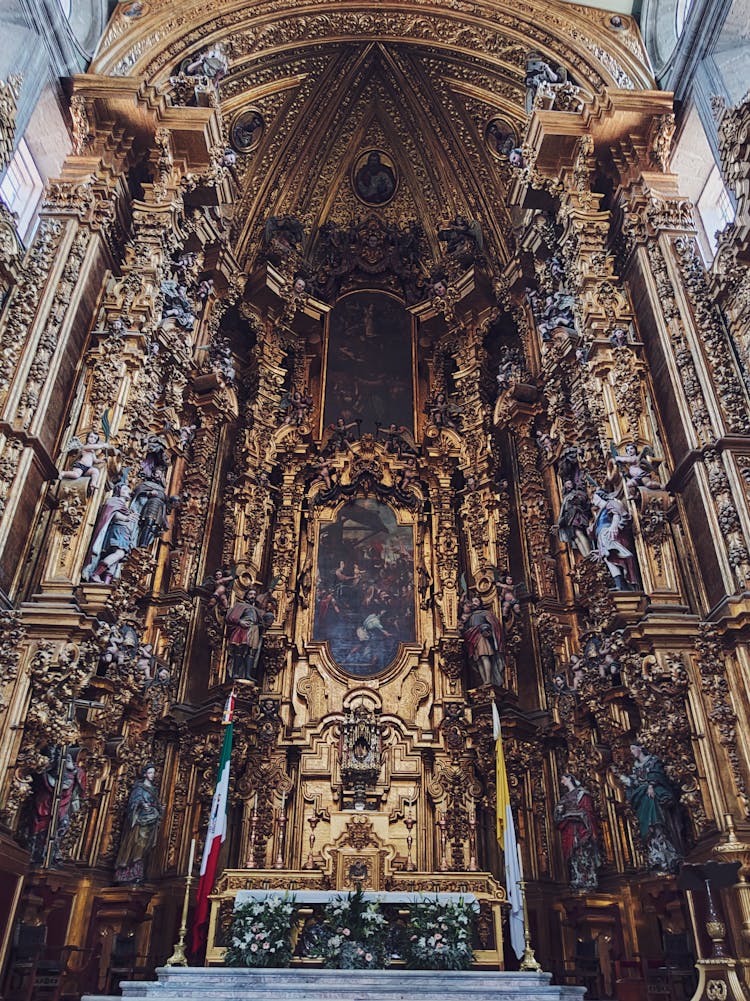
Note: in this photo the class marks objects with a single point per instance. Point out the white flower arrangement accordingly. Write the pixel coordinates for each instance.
(261, 933)
(353, 934)
(439, 935)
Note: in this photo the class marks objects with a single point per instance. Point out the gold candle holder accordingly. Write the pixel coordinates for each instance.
(179, 957)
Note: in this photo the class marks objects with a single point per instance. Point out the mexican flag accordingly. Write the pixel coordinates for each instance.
(216, 834)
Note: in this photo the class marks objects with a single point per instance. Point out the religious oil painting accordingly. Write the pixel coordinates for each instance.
(364, 599)
(374, 177)
(369, 378)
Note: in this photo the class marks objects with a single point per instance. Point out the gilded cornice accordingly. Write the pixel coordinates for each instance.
(586, 45)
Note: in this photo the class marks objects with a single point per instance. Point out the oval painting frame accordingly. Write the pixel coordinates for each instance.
(500, 136)
(374, 178)
(247, 130)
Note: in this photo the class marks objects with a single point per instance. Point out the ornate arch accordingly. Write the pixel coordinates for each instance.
(421, 80)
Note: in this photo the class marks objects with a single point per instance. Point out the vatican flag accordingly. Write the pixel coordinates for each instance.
(506, 836)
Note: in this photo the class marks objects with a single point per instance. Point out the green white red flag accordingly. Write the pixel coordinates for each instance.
(216, 834)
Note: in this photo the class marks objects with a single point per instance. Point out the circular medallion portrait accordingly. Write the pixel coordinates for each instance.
(500, 136)
(374, 177)
(247, 130)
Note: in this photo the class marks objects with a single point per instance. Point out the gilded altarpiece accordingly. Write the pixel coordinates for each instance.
(367, 367)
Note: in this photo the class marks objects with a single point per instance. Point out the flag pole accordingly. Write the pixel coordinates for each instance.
(178, 957)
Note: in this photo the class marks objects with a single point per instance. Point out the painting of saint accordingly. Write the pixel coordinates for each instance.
(369, 368)
(364, 598)
(247, 130)
(374, 178)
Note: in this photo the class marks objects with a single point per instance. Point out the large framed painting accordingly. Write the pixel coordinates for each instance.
(369, 362)
(364, 596)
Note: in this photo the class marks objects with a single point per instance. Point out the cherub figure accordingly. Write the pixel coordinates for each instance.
(638, 468)
(322, 468)
(409, 477)
(509, 603)
(220, 585)
(145, 661)
(89, 460)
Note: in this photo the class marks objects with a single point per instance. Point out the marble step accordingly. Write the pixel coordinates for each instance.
(224, 984)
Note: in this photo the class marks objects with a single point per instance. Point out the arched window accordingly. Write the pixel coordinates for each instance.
(681, 12)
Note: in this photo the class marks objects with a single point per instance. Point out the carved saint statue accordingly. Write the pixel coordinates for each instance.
(441, 413)
(140, 829)
(114, 536)
(575, 517)
(483, 636)
(611, 529)
(72, 789)
(150, 506)
(540, 75)
(655, 800)
(247, 621)
(578, 825)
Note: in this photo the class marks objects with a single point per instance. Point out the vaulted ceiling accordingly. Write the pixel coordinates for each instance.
(418, 80)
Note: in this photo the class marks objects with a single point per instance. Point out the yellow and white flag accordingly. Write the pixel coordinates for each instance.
(506, 836)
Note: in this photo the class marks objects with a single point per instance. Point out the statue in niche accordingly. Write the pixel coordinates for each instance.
(212, 63)
(575, 517)
(576, 820)
(618, 337)
(611, 530)
(655, 799)
(246, 622)
(441, 413)
(500, 137)
(298, 406)
(150, 506)
(463, 239)
(483, 637)
(221, 359)
(539, 76)
(510, 368)
(283, 236)
(140, 829)
(72, 790)
(115, 534)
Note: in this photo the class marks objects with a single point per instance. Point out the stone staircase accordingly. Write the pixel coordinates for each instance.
(303, 984)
